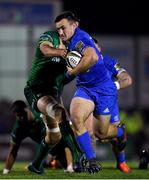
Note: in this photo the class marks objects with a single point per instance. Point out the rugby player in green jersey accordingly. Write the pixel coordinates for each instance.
(43, 91)
(30, 124)
(27, 124)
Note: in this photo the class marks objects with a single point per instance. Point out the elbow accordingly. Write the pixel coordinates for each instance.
(44, 49)
(94, 58)
(91, 55)
(130, 81)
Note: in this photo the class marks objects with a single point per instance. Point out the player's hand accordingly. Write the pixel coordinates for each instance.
(6, 171)
(63, 53)
(69, 71)
(69, 68)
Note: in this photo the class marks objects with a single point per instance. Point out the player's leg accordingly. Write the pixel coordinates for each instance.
(33, 98)
(103, 110)
(57, 111)
(119, 147)
(120, 156)
(63, 155)
(39, 104)
(121, 159)
(69, 160)
(49, 106)
(52, 137)
(89, 127)
(80, 109)
(55, 153)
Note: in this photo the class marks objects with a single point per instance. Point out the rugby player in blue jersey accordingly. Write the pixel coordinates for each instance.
(96, 93)
(122, 80)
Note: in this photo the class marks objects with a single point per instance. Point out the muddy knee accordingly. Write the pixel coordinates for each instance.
(53, 138)
(56, 111)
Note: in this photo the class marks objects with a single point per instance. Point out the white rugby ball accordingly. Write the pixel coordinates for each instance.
(73, 59)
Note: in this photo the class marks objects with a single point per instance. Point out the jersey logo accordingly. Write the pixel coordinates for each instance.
(116, 118)
(106, 110)
(45, 37)
(55, 59)
(79, 46)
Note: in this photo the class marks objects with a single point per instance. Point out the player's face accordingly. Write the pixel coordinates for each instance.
(21, 115)
(66, 29)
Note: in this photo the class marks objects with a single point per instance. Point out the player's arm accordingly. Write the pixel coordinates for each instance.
(48, 50)
(68, 78)
(124, 80)
(89, 58)
(12, 153)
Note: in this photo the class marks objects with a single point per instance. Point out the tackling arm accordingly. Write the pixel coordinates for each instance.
(48, 50)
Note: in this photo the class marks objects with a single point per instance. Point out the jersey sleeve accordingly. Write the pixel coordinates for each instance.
(45, 38)
(84, 43)
(17, 134)
(81, 45)
(113, 65)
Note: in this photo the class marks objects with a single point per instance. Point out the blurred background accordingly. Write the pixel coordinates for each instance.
(121, 29)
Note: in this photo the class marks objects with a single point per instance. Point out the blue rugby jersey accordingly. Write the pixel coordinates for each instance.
(98, 74)
(113, 66)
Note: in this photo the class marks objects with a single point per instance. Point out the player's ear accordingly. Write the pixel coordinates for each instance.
(75, 24)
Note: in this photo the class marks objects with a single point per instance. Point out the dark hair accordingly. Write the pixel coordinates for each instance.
(95, 40)
(18, 106)
(66, 15)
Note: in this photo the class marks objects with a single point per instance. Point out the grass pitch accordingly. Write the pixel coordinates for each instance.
(109, 172)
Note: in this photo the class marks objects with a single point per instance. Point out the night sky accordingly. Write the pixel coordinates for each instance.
(111, 17)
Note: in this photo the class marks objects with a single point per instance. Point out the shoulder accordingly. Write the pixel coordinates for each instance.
(81, 34)
(110, 60)
(82, 40)
(48, 36)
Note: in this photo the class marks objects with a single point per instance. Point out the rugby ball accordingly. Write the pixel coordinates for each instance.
(73, 59)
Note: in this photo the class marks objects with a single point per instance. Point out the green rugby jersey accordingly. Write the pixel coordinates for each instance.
(47, 71)
(34, 129)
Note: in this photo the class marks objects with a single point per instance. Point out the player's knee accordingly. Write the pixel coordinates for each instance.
(54, 110)
(101, 135)
(60, 113)
(78, 123)
(53, 138)
(77, 120)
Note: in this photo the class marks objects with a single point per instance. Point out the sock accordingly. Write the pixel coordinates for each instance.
(70, 140)
(120, 131)
(41, 153)
(86, 145)
(121, 157)
(58, 147)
